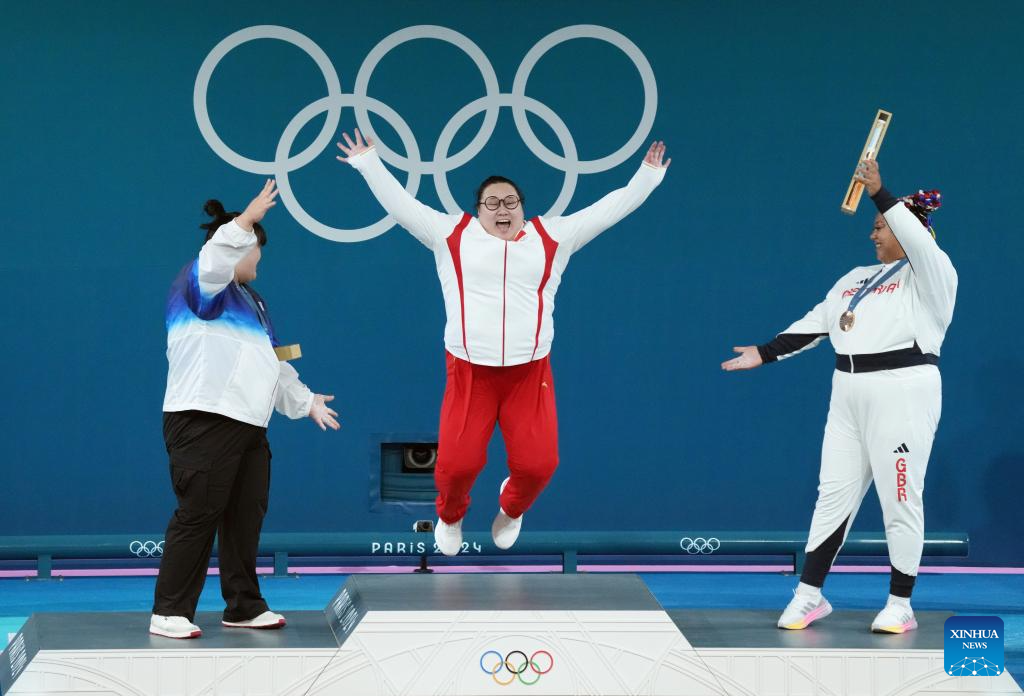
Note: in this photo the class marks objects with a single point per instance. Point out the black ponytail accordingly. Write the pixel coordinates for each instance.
(215, 209)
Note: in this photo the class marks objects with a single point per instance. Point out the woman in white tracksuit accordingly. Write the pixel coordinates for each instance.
(886, 323)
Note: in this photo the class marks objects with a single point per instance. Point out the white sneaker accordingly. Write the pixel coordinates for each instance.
(173, 627)
(267, 619)
(505, 529)
(448, 537)
(803, 610)
(897, 617)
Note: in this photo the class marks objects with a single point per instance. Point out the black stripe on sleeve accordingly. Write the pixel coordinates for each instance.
(884, 200)
(784, 344)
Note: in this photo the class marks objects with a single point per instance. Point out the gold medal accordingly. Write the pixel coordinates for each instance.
(846, 320)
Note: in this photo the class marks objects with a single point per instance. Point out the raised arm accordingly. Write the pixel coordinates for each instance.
(422, 222)
(579, 228)
(933, 271)
(231, 242)
(803, 334)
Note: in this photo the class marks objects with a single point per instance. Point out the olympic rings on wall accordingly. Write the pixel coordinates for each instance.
(146, 549)
(700, 545)
(412, 163)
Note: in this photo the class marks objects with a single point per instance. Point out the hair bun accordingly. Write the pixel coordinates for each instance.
(928, 201)
(214, 208)
(922, 204)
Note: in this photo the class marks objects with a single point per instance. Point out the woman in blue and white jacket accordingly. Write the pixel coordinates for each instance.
(223, 381)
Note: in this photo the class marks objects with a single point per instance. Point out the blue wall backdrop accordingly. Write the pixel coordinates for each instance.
(764, 107)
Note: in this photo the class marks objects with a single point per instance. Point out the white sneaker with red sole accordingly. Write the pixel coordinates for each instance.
(173, 627)
(267, 619)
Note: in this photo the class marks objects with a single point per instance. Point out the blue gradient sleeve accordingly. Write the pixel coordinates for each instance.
(187, 303)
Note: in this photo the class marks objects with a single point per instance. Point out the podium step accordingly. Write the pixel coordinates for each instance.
(486, 634)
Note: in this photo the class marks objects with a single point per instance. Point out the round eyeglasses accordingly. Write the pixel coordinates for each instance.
(493, 202)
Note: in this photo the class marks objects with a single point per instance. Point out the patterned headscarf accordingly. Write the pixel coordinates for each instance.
(923, 204)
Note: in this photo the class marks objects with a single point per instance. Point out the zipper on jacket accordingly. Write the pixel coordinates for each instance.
(504, 283)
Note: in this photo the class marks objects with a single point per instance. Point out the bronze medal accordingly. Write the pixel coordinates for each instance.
(846, 320)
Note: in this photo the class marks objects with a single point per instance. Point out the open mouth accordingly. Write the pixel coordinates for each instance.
(504, 225)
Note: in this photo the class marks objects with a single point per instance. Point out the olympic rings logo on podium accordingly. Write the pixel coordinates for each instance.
(412, 163)
(146, 549)
(700, 545)
(515, 669)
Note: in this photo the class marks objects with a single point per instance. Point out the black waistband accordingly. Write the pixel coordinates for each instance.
(889, 360)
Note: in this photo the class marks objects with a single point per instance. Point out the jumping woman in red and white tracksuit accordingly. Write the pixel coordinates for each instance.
(499, 274)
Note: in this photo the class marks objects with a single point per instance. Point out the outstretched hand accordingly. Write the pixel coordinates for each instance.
(655, 154)
(259, 206)
(354, 148)
(868, 174)
(748, 359)
(322, 414)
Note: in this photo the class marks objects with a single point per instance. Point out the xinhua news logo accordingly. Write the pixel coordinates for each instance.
(974, 646)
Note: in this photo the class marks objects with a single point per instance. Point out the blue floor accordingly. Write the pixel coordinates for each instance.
(999, 595)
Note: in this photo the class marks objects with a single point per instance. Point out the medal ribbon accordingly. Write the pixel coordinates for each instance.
(870, 285)
(258, 308)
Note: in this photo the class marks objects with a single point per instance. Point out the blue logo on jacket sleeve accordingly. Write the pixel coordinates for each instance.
(974, 646)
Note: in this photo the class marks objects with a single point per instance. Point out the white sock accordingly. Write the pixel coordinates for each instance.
(901, 601)
(808, 591)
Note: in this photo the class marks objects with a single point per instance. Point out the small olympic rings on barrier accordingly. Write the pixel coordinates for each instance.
(146, 549)
(517, 668)
(700, 545)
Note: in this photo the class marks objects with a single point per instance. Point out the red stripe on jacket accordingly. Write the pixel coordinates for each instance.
(454, 248)
(550, 247)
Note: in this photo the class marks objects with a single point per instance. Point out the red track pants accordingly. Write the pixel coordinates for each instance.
(520, 399)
